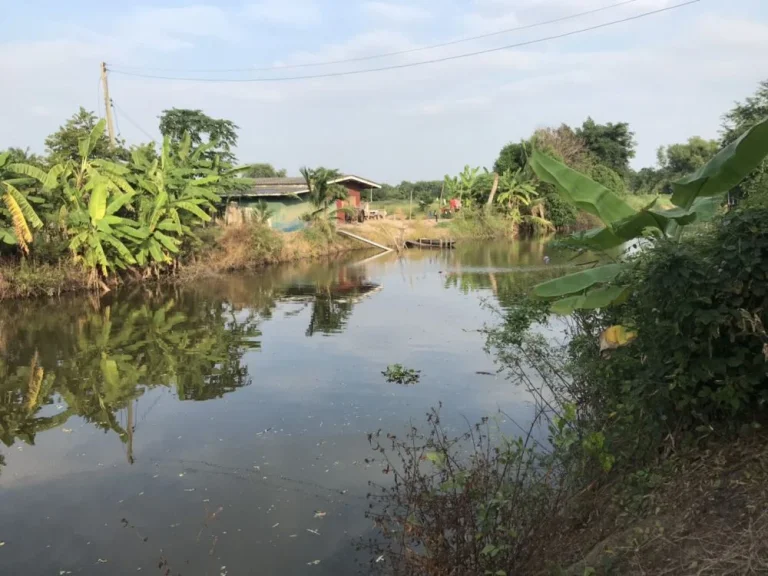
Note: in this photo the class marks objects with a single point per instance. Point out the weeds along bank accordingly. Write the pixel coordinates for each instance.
(646, 452)
(219, 250)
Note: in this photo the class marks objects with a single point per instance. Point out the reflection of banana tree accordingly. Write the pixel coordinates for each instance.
(102, 376)
(112, 355)
(210, 359)
(24, 390)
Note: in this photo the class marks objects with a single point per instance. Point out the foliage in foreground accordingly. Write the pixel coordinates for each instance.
(696, 197)
(454, 504)
(697, 372)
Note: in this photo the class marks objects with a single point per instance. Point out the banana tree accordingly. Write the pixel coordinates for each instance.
(467, 180)
(696, 198)
(17, 216)
(178, 192)
(95, 192)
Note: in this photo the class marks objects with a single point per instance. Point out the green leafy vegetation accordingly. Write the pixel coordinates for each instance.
(114, 211)
(177, 124)
(695, 196)
(399, 374)
(651, 389)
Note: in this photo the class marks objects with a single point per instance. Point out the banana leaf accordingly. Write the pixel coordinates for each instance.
(729, 167)
(595, 298)
(578, 282)
(578, 189)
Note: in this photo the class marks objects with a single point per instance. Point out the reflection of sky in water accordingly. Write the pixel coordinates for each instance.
(271, 453)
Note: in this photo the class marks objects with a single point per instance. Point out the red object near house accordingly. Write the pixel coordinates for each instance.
(355, 187)
(455, 204)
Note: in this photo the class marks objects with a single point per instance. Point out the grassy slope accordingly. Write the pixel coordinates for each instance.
(703, 512)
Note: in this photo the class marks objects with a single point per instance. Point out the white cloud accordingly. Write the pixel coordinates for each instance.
(479, 23)
(397, 12)
(457, 105)
(291, 13)
(669, 77)
(169, 29)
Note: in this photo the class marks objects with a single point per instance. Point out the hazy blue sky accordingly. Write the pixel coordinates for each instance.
(670, 75)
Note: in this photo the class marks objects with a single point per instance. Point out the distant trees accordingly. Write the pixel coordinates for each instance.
(63, 144)
(738, 120)
(611, 144)
(423, 191)
(202, 129)
(511, 158)
(688, 157)
(263, 170)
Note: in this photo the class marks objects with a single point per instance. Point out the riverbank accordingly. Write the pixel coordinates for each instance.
(647, 452)
(222, 250)
(239, 248)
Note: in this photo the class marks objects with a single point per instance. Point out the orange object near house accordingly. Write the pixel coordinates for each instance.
(455, 204)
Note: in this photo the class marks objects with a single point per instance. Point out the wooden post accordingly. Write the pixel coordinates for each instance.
(108, 105)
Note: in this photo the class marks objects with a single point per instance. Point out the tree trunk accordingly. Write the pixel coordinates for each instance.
(493, 188)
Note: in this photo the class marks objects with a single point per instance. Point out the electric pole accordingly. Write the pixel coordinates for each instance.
(108, 105)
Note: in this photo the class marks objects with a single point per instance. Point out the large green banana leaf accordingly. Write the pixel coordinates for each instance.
(697, 197)
(729, 167)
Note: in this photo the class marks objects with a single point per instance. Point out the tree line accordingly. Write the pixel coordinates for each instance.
(603, 152)
(117, 208)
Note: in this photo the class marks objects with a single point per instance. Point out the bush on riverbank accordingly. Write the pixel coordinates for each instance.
(623, 426)
(219, 250)
(254, 245)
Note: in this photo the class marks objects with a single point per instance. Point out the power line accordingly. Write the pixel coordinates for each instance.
(117, 120)
(413, 64)
(135, 125)
(388, 54)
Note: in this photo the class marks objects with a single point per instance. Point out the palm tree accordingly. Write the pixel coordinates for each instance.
(262, 212)
(15, 204)
(322, 187)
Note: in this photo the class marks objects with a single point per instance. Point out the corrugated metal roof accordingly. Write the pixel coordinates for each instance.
(289, 186)
(291, 181)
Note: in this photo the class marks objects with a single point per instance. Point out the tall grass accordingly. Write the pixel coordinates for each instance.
(25, 279)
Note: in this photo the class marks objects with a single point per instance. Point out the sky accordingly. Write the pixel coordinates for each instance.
(670, 75)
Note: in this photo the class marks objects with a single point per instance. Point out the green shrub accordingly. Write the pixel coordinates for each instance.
(699, 311)
(608, 178)
(562, 214)
(698, 364)
(480, 223)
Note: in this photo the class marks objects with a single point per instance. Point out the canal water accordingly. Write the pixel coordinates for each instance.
(220, 428)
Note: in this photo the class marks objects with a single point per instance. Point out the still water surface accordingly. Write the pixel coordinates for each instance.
(221, 428)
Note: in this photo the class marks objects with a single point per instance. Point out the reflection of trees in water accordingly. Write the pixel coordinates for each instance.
(506, 286)
(332, 298)
(95, 359)
(99, 358)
